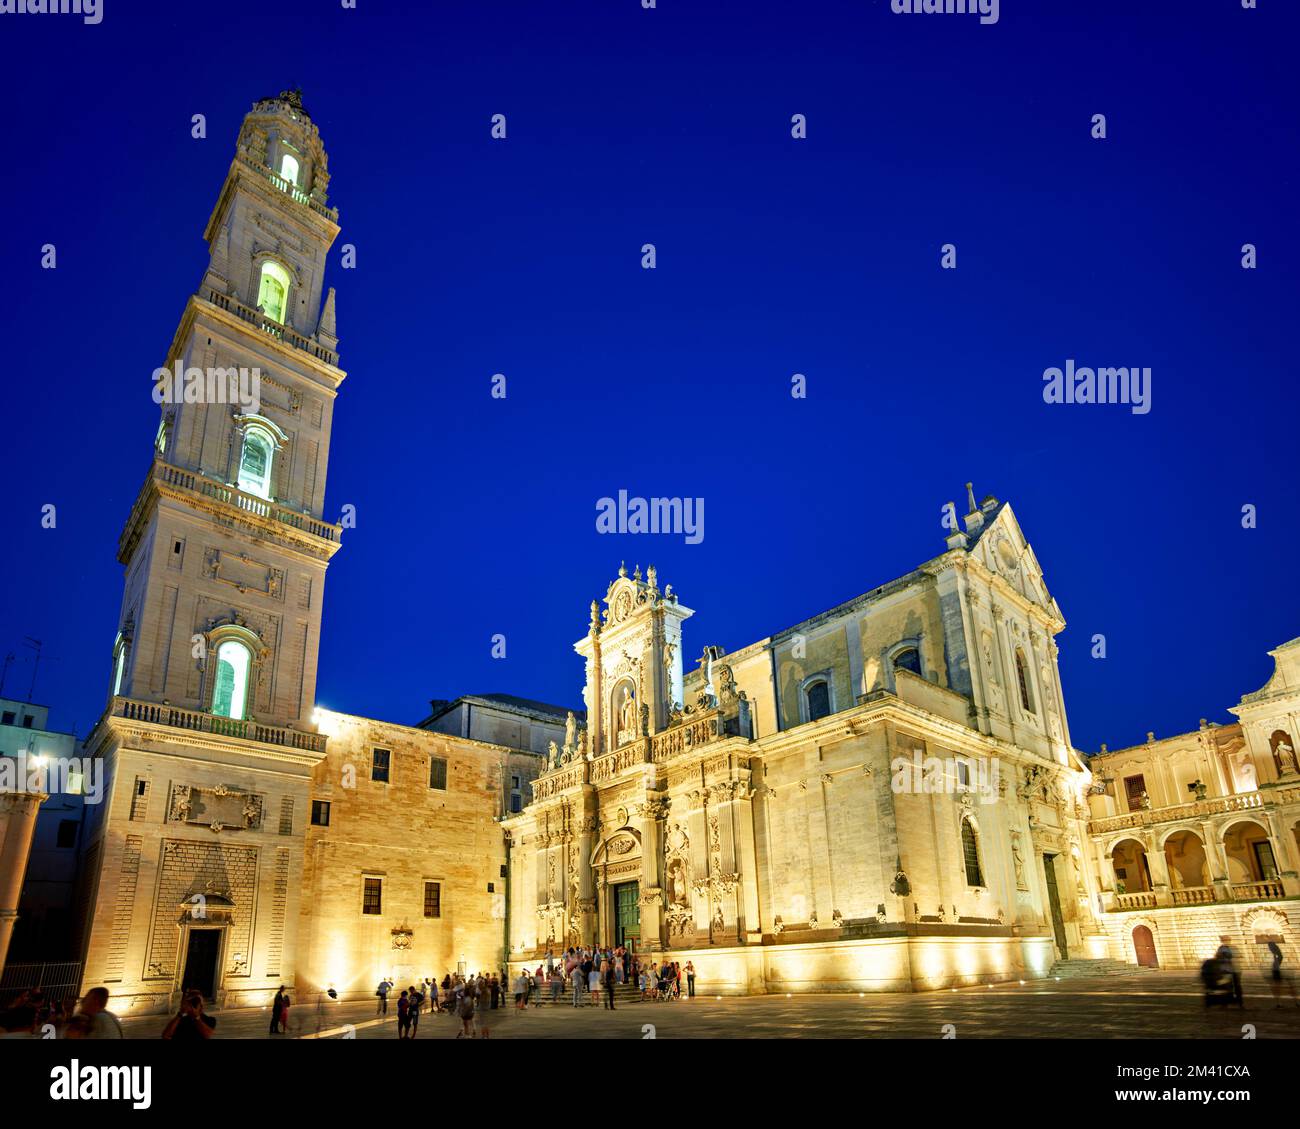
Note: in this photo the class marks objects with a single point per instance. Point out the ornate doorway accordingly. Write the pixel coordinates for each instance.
(627, 914)
(1144, 945)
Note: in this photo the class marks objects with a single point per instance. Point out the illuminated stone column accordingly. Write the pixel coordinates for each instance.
(18, 811)
(652, 900)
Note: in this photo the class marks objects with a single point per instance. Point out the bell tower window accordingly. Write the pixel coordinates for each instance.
(289, 169)
(255, 462)
(273, 291)
(230, 686)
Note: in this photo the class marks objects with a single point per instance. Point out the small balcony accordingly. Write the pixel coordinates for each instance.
(271, 327)
(196, 721)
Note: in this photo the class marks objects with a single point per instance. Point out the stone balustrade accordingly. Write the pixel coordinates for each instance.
(271, 327)
(1247, 801)
(174, 717)
(179, 478)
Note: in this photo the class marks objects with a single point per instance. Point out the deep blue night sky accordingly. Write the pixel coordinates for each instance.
(775, 256)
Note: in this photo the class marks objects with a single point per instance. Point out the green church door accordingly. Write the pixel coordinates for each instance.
(627, 914)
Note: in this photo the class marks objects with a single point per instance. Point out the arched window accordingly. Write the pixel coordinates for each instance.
(273, 291)
(970, 850)
(255, 461)
(817, 697)
(119, 664)
(289, 169)
(230, 684)
(1022, 677)
(909, 658)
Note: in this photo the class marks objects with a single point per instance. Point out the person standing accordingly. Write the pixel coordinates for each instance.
(190, 1025)
(1227, 958)
(403, 1015)
(608, 974)
(417, 1002)
(690, 980)
(100, 1022)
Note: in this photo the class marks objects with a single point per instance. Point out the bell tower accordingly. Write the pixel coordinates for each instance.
(226, 547)
(195, 858)
(634, 660)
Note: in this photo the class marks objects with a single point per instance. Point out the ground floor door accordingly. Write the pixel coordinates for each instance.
(201, 954)
(1054, 905)
(1144, 945)
(627, 914)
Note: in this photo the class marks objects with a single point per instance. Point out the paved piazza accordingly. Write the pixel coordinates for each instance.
(1154, 1006)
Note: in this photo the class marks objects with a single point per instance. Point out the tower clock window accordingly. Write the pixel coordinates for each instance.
(273, 291)
(230, 687)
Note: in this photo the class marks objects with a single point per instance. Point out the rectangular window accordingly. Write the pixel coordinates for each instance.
(9, 718)
(28, 721)
(438, 773)
(503, 870)
(963, 773)
(67, 833)
(516, 803)
(514, 783)
(1134, 788)
(372, 897)
(492, 888)
(320, 813)
(379, 766)
(433, 899)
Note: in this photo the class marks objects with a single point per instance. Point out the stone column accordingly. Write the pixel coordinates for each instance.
(18, 811)
(652, 906)
(750, 918)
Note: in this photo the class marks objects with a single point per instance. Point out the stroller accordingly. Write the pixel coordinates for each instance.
(1218, 983)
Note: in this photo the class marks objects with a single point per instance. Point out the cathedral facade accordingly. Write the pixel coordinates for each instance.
(883, 797)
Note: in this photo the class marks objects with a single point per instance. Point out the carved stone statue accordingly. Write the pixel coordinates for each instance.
(627, 719)
(1285, 753)
(571, 731)
(552, 754)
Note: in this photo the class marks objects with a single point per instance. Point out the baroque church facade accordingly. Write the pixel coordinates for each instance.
(884, 797)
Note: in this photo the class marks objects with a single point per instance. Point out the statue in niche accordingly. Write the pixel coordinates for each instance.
(677, 883)
(627, 717)
(1284, 754)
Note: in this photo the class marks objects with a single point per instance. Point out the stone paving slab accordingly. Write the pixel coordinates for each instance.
(1165, 1005)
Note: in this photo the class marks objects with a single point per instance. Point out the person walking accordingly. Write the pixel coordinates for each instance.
(593, 984)
(275, 1011)
(1279, 980)
(382, 993)
(403, 1015)
(690, 980)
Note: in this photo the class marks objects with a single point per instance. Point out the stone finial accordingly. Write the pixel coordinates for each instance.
(595, 615)
(636, 573)
(970, 498)
(622, 568)
(325, 329)
(651, 576)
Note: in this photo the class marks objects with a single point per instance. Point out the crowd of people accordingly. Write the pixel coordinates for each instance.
(588, 977)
